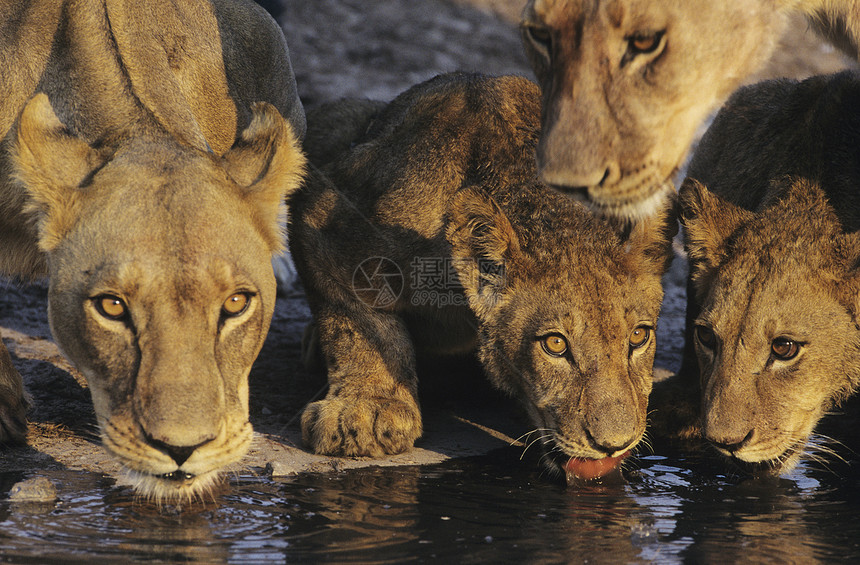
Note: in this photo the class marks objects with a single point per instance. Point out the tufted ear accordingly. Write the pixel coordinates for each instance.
(708, 222)
(847, 254)
(52, 163)
(484, 246)
(267, 162)
(650, 239)
(847, 290)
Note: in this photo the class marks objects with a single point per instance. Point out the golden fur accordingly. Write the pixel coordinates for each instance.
(626, 84)
(145, 160)
(443, 178)
(774, 248)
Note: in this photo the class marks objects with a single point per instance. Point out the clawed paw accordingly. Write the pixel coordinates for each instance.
(361, 427)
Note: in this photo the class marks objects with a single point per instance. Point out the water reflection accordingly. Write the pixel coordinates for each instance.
(359, 516)
(720, 518)
(671, 509)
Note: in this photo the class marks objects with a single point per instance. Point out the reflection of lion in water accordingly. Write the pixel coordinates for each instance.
(123, 180)
(774, 248)
(626, 83)
(439, 186)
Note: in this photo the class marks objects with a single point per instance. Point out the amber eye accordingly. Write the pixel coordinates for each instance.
(540, 37)
(554, 344)
(235, 304)
(110, 306)
(705, 336)
(639, 336)
(643, 43)
(784, 349)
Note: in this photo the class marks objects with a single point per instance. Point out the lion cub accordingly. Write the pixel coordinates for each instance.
(429, 232)
(774, 253)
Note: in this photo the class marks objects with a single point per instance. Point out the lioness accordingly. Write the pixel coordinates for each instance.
(428, 232)
(122, 179)
(774, 252)
(626, 83)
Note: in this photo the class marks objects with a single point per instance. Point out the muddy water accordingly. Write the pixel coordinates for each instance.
(492, 509)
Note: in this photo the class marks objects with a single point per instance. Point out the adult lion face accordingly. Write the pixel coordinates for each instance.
(161, 286)
(626, 83)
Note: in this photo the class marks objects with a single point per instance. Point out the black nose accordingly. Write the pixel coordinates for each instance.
(612, 447)
(731, 444)
(179, 453)
(609, 445)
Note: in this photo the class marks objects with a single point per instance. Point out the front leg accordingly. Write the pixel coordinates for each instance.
(13, 401)
(372, 407)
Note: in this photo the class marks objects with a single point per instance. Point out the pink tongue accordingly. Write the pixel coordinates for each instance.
(587, 469)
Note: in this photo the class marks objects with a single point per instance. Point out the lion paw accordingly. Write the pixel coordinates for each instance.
(13, 418)
(361, 427)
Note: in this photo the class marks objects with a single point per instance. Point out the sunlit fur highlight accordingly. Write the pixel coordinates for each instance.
(772, 230)
(447, 171)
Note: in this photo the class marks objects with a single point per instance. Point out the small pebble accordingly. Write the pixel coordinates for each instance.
(280, 469)
(37, 489)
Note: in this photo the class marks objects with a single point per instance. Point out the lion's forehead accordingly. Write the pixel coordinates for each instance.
(604, 287)
(609, 312)
(179, 203)
(548, 11)
(613, 13)
(186, 216)
(766, 299)
(176, 277)
(152, 178)
(779, 266)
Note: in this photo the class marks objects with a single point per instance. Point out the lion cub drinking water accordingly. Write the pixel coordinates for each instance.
(774, 252)
(428, 232)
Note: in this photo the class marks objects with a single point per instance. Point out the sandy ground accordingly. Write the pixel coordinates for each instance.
(342, 48)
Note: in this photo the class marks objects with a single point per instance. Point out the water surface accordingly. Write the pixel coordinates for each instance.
(491, 509)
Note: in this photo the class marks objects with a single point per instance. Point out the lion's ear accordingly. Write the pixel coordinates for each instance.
(267, 162)
(709, 221)
(846, 253)
(650, 239)
(51, 163)
(483, 247)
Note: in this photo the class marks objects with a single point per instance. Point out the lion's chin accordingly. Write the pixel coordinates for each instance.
(770, 467)
(174, 488)
(628, 209)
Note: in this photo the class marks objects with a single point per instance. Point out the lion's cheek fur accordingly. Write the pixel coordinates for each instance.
(236, 351)
(94, 350)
